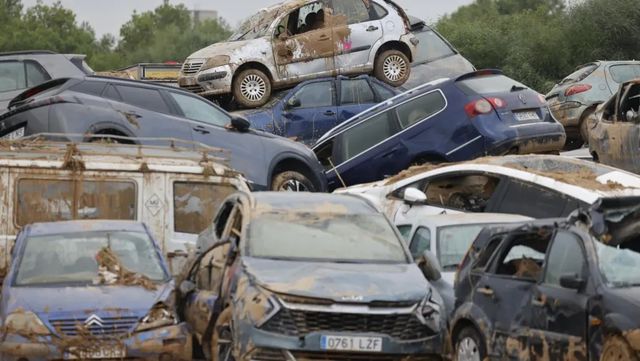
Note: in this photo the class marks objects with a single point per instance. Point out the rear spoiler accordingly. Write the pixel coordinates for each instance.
(479, 73)
(22, 97)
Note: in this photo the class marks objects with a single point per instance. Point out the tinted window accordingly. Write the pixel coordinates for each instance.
(421, 242)
(565, 258)
(12, 76)
(89, 87)
(143, 98)
(420, 108)
(195, 205)
(488, 84)
(35, 74)
(622, 73)
(405, 231)
(431, 47)
(541, 202)
(376, 11)
(112, 93)
(316, 95)
(197, 109)
(383, 92)
(47, 200)
(356, 91)
(367, 134)
(354, 10)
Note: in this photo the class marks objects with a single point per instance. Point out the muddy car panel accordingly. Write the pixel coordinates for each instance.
(112, 313)
(577, 302)
(263, 293)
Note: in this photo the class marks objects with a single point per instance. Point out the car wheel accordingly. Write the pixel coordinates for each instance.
(617, 349)
(392, 67)
(222, 339)
(584, 125)
(252, 88)
(292, 181)
(469, 346)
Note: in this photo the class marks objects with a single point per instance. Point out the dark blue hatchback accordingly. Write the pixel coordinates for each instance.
(314, 107)
(447, 120)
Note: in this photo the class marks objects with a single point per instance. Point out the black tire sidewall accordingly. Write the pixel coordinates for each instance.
(237, 94)
(379, 67)
(282, 177)
(470, 332)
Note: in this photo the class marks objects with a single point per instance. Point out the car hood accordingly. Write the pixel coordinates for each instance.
(87, 299)
(236, 50)
(340, 282)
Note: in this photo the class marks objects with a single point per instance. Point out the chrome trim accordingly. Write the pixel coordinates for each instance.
(526, 125)
(464, 145)
(342, 308)
(276, 308)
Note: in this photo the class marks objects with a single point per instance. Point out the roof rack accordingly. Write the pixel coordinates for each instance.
(99, 144)
(27, 52)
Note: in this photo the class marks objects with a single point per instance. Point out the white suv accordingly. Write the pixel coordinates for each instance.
(288, 43)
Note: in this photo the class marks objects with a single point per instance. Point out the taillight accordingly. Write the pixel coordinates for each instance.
(48, 101)
(576, 89)
(542, 99)
(483, 106)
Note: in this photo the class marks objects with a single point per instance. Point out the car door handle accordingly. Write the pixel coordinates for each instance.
(329, 113)
(372, 28)
(201, 130)
(486, 291)
(389, 153)
(324, 37)
(538, 302)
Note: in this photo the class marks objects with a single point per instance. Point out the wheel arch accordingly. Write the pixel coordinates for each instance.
(112, 129)
(289, 161)
(253, 65)
(395, 45)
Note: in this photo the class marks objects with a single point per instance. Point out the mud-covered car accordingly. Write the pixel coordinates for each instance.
(309, 277)
(298, 40)
(614, 130)
(90, 290)
(559, 289)
(576, 97)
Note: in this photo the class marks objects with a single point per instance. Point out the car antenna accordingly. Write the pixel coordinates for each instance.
(333, 168)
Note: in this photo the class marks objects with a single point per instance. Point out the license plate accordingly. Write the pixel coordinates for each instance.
(347, 343)
(526, 116)
(18, 133)
(101, 353)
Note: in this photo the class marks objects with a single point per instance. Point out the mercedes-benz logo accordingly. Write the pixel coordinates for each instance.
(93, 320)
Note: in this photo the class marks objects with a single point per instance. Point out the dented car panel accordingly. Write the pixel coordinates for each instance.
(575, 297)
(80, 307)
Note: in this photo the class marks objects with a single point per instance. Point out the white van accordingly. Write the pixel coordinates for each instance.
(175, 191)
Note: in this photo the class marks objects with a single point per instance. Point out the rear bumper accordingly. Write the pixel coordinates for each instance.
(527, 144)
(568, 113)
(172, 342)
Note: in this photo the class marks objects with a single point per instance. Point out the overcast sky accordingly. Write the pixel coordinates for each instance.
(106, 16)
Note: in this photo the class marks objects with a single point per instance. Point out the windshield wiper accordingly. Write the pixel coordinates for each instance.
(517, 88)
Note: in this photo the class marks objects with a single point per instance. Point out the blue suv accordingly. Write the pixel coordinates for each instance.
(447, 120)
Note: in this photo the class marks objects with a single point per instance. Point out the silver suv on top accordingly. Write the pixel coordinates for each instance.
(288, 43)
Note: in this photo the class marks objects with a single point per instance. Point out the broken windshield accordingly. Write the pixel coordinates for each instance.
(348, 238)
(619, 265)
(73, 258)
(256, 26)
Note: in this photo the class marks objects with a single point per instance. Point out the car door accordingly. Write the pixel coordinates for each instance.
(16, 76)
(303, 43)
(356, 95)
(310, 111)
(559, 315)
(357, 28)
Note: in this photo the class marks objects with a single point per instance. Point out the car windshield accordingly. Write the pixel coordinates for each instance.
(73, 257)
(453, 243)
(619, 265)
(256, 26)
(345, 238)
(490, 84)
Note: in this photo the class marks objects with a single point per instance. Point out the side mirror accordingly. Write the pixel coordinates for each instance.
(572, 282)
(293, 102)
(430, 266)
(187, 287)
(240, 124)
(414, 196)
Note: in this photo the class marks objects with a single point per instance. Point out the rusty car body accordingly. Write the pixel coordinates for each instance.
(614, 130)
(175, 191)
(559, 289)
(298, 40)
(90, 290)
(576, 97)
(289, 276)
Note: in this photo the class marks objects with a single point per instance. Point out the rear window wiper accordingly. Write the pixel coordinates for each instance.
(517, 88)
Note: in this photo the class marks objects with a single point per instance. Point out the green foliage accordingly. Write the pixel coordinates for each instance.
(164, 34)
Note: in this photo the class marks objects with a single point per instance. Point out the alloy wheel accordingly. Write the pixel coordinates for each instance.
(394, 68)
(253, 87)
(293, 185)
(468, 350)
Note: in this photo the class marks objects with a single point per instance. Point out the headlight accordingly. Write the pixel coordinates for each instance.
(159, 316)
(429, 312)
(216, 61)
(24, 323)
(257, 305)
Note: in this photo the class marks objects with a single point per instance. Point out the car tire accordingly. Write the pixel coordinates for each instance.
(251, 88)
(469, 346)
(222, 337)
(584, 125)
(292, 181)
(616, 348)
(392, 67)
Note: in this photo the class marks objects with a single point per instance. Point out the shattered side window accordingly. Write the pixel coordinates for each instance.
(195, 205)
(619, 265)
(468, 192)
(524, 257)
(626, 72)
(354, 10)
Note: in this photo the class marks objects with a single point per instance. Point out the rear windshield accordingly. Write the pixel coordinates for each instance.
(580, 74)
(431, 47)
(195, 205)
(625, 72)
(489, 84)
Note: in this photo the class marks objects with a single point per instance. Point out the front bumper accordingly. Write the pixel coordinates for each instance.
(213, 81)
(171, 342)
